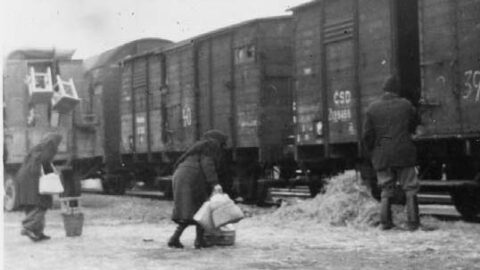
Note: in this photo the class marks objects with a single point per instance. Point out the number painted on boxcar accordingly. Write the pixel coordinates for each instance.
(187, 116)
(472, 85)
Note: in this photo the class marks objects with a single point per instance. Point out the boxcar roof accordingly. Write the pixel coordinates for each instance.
(207, 35)
(118, 53)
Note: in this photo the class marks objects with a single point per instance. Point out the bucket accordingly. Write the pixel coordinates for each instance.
(73, 224)
(224, 236)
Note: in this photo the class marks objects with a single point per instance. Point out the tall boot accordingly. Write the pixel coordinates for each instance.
(413, 219)
(174, 241)
(199, 241)
(386, 222)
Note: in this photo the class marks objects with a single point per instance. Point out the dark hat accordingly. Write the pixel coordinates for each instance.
(392, 84)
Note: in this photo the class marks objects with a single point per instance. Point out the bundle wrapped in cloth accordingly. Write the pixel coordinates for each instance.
(220, 210)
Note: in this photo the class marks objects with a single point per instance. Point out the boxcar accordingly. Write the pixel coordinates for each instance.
(345, 49)
(32, 78)
(236, 79)
(98, 133)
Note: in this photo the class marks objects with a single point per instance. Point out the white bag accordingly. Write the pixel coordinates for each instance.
(50, 183)
(224, 210)
(204, 216)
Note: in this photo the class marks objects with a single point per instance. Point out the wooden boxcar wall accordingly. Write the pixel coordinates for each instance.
(157, 91)
(343, 53)
(244, 83)
(161, 118)
(450, 34)
(181, 120)
(276, 58)
(215, 67)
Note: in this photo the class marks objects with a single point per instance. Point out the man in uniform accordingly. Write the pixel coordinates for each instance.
(387, 135)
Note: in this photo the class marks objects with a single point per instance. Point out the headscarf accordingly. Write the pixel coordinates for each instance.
(45, 151)
(215, 135)
(210, 145)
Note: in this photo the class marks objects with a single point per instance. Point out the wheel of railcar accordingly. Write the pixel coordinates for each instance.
(467, 202)
(10, 196)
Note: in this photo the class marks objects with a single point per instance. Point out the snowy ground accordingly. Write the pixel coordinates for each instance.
(131, 233)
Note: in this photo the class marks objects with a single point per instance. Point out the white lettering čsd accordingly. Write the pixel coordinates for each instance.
(342, 97)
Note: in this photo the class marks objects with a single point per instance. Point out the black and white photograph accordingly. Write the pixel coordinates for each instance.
(253, 134)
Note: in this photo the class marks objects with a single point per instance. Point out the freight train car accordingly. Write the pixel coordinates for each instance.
(344, 49)
(235, 79)
(98, 127)
(39, 93)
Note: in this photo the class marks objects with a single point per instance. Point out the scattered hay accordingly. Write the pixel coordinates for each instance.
(345, 202)
(115, 210)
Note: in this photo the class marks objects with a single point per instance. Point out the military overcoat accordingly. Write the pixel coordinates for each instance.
(387, 132)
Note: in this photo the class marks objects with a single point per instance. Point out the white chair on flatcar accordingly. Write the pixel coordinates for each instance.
(40, 86)
(65, 97)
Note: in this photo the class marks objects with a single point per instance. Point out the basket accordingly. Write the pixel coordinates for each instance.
(73, 224)
(223, 236)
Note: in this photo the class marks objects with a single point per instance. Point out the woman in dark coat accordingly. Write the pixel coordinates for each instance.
(35, 204)
(195, 177)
